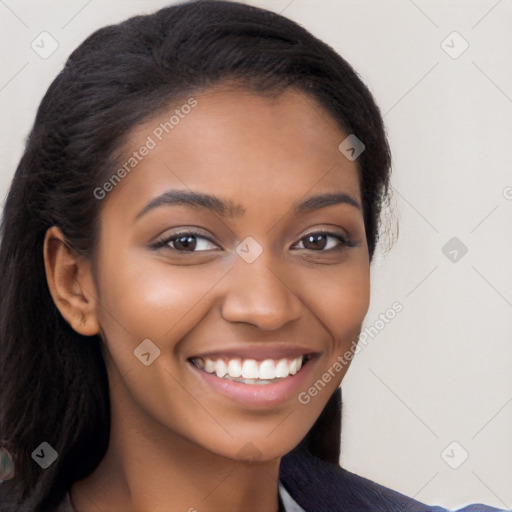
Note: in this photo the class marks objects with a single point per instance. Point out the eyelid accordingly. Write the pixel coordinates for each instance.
(164, 242)
(344, 239)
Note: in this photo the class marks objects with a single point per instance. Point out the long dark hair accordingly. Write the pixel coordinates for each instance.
(54, 386)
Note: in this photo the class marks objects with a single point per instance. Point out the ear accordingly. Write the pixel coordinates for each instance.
(71, 284)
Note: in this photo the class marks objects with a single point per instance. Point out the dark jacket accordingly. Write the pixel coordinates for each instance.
(318, 486)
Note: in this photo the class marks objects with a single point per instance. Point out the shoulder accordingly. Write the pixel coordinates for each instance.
(318, 486)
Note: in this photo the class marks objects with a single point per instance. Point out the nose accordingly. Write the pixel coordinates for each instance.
(261, 294)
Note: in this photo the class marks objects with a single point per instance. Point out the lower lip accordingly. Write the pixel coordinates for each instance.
(259, 395)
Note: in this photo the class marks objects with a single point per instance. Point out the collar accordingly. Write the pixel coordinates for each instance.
(289, 504)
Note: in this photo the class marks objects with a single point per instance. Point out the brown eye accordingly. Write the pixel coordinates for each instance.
(316, 241)
(186, 241)
(324, 242)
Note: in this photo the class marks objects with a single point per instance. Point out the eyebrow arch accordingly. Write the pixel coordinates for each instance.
(323, 200)
(194, 200)
(230, 209)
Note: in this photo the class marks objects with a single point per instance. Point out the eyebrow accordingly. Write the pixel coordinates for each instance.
(323, 200)
(195, 200)
(227, 208)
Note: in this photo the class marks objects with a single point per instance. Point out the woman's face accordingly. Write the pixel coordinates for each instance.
(236, 241)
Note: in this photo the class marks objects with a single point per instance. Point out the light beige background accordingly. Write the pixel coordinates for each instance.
(440, 371)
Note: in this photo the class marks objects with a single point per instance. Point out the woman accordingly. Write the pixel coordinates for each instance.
(185, 265)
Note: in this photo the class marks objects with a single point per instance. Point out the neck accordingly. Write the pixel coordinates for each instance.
(159, 470)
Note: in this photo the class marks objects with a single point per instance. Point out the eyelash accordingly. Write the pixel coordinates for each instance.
(164, 243)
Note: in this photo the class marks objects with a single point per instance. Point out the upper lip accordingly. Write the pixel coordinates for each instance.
(258, 352)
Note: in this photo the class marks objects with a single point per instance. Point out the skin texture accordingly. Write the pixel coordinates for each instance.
(174, 439)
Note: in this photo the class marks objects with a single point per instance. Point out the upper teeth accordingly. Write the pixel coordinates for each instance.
(267, 369)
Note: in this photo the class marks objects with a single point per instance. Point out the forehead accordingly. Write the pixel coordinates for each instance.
(237, 143)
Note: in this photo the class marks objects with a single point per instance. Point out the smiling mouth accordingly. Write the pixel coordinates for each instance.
(250, 371)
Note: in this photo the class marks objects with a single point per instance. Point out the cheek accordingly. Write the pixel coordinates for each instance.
(343, 300)
(351, 306)
(340, 299)
(158, 301)
(348, 315)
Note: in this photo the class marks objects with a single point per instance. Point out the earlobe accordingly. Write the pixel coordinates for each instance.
(71, 283)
